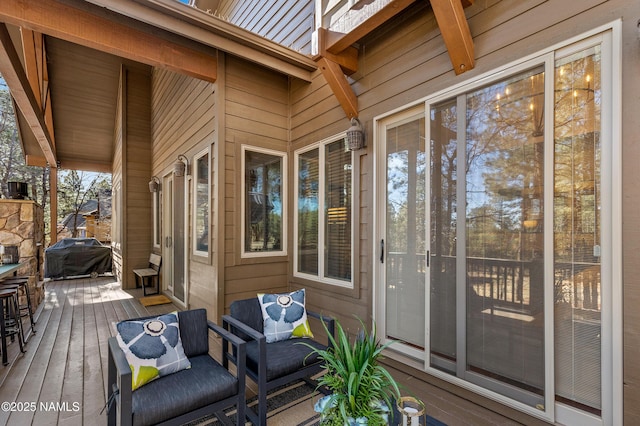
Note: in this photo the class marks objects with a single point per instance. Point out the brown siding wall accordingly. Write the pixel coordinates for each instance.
(131, 170)
(289, 22)
(135, 190)
(406, 60)
(184, 123)
(256, 105)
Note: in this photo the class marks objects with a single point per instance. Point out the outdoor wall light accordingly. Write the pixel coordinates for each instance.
(181, 167)
(355, 136)
(154, 184)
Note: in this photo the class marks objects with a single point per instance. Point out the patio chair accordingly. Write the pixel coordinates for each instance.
(205, 389)
(271, 365)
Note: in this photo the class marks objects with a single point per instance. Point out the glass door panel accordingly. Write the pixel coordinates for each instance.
(577, 206)
(404, 253)
(442, 270)
(504, 237)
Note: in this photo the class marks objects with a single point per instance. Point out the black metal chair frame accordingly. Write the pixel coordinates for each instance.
(119, 382)
(260, 377)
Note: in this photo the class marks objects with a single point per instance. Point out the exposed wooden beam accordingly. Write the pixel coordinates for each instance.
(35, 65)
(33, 160)
(347, 59)
(13, 73)
(94, 166)
(87, 29)
(337, 42)
(455, 32)
(339, 85)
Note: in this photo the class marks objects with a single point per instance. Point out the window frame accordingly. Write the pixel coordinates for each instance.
(283, 191)
(320, 277)
(196, 176)
(157, 233)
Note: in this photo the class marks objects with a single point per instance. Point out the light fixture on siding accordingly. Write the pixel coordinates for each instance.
(154, 184)
(181, 166)
(355, 136)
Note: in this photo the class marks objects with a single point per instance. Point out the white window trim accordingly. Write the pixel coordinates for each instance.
(283, 155)
(321, 220)
(612, 318)
(194, 238)
(157, 237)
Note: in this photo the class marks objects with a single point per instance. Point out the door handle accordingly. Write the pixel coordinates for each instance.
(382, 250)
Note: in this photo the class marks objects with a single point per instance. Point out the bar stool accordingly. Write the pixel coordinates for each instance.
(10, 324)
(9, 317)
(22, 281)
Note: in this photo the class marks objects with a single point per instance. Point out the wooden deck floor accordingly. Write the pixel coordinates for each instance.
(61, 377)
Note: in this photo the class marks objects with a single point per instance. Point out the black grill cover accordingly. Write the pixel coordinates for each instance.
(76, 256)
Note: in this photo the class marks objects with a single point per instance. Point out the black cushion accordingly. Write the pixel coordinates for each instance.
(204, 383)
(249, 312)
(284, 357)
(194, 332)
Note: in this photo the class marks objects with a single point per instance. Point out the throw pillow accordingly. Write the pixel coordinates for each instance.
(152, 347)
(284, 316)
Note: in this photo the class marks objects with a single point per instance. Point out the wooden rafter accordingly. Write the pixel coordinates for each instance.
(335, 50)
(339, 85)
(347, 58)
(35, 66)
(338, 42)
(455, 33)
(81, 27)
(13, 73)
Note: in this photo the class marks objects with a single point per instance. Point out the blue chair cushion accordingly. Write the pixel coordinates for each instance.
(187, 390)
(194, 332)
(283, 357)
(249, 312)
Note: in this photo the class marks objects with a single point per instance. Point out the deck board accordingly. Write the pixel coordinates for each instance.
(66, 359)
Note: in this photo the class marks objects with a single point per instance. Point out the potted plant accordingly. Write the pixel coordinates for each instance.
(362, 390)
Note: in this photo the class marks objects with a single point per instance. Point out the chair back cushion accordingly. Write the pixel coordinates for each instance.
(194, 332)
(249, 312)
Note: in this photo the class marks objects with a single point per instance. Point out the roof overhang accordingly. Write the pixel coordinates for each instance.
(63, 60)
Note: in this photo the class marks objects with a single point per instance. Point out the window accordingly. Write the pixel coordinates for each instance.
(201, 209)
(323, 217)
(519, 262)
(263, 203)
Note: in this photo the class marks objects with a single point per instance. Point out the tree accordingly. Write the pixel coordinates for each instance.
(12, 166)
(75, 189)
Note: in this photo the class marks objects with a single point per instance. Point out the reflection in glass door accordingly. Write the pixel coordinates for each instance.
(504, 283)
(403, 248)
(167, 233)
(173, 237)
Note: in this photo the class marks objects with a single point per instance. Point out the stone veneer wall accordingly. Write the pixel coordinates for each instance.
(22, 225)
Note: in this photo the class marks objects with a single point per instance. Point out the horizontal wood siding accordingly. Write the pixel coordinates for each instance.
(406, 59)
(137, 199)
(256, 115)
(116, 181)
(183, 120)
(288, 22)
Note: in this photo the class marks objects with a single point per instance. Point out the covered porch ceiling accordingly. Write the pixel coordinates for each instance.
(62, 61)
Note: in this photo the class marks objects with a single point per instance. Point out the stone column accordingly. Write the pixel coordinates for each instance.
(22, 225)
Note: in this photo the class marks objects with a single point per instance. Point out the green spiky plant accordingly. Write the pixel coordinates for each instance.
(358, 383)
